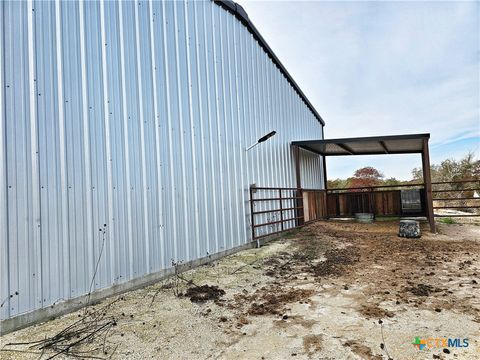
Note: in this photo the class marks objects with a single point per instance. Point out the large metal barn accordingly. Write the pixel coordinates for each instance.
(123, 144)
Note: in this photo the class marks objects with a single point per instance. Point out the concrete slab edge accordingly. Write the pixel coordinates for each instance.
(48, 313)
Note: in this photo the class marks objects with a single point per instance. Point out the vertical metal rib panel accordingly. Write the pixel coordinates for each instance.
(218, 137)
(36, 247)
(202, 215)
(160, 248)
(88, 192)
(4, 248)
(193, 129)
(135, 115)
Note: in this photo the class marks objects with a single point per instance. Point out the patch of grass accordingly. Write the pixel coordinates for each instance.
(387, 218)
(291, 233)
(447, 220)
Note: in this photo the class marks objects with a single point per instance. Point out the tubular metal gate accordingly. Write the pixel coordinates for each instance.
(274, 210)
(461, 197)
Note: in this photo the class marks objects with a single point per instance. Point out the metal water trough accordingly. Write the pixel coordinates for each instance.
(365, 218)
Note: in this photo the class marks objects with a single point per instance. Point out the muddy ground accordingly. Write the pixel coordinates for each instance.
(331, 290)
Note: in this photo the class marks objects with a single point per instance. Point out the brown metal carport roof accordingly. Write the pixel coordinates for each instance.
(374, 145)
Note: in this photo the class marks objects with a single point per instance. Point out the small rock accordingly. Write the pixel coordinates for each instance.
(223, 319)
(446, 351)
(438, 310)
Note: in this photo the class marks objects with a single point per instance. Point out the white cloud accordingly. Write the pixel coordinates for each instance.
(373, 68)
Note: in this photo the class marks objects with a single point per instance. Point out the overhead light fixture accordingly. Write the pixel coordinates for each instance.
(262, 139)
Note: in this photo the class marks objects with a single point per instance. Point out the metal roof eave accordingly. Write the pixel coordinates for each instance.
(242, 15)
(381, 142)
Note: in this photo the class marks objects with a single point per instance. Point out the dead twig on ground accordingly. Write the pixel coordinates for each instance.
(155, 295)
(21, 351)
(178, 276)
(175, 284)
(84, 338)
(103, 231)
(244, 266)
(189, 282)
(383, 345)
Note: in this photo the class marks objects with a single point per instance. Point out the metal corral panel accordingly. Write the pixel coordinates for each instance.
(132, 117)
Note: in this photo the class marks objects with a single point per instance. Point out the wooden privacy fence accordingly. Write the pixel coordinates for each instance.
(314, 204)
(387, 200)
(274, 210)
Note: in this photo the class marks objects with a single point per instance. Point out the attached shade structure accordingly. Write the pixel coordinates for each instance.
(376, 145)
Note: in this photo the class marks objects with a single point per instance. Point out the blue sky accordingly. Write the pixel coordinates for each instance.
(383, 68)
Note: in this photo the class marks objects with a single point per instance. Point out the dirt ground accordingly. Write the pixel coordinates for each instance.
(331, 290)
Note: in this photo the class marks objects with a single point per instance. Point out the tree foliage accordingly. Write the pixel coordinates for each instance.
(450, 170)
(365, 177)
(392, 181)
(337, 184)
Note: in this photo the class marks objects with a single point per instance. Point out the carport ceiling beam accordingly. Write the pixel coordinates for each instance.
(346, 148)
(384, 146)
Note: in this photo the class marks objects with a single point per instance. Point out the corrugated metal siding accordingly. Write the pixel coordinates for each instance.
(310, 170)
(133, 117)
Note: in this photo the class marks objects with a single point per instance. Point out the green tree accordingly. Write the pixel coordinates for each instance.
(337, 184)
(450, 169)
(391, 181)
